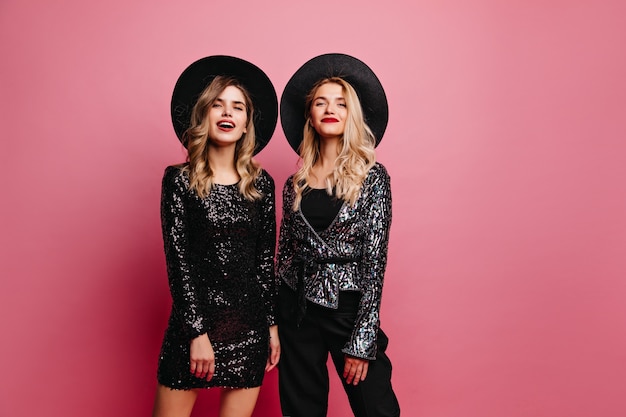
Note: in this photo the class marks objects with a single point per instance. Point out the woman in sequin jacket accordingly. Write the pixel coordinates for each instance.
(219, 232)
(333, 242)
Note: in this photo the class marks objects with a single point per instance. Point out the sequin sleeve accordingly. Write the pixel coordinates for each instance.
(175, 238)
(266, 246)
(377, 216)
(286, 241)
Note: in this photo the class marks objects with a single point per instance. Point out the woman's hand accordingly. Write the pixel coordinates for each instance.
(355, 370)
(274, 354)
(202, 357)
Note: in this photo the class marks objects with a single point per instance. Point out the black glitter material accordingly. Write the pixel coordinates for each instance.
(219, 252)
(349, 255)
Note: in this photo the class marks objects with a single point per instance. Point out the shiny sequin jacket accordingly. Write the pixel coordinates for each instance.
(350, 255)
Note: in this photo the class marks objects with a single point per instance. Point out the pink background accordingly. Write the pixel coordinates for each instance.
(506, 292)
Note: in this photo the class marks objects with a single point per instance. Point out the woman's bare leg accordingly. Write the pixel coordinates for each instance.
(173, 403)
(238, 402)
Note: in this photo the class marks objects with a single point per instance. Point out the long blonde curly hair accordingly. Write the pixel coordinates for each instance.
(196, 140)
(356, 155)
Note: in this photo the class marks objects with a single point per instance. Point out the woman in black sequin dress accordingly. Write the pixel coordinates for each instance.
(332, 249)
(219, 232)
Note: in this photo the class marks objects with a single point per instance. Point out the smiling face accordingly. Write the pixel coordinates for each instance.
(328, 111)
(227, 117)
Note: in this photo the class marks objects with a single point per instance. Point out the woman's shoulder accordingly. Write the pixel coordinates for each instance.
(175, 174)
(264, 180)
(377, 185)
(378, 171)
(289, 181)
(288, 185)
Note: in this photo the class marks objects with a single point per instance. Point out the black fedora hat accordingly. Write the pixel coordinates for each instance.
(354, 71)
(197, 76)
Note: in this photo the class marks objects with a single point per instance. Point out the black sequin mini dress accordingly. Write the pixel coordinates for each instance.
(219, 252)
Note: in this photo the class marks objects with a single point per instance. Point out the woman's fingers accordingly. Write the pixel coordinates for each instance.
(211, 371)
(203, 368)
(348, 371)
(274, 353)
(365, 368)
(273, 358)
(355, 370)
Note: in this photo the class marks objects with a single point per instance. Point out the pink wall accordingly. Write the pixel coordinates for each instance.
(506, 290)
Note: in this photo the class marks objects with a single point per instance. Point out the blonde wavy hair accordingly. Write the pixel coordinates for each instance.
(356, 155)
(196, 140)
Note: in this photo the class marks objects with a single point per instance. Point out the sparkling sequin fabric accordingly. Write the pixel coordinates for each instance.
(359, 233)
(219, 253)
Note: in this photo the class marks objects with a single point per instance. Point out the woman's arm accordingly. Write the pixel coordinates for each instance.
(174, 225)
(285, 238)
(266, 246)
(377, 218)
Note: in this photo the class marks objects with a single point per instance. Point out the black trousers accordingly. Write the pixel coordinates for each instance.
(303, 374)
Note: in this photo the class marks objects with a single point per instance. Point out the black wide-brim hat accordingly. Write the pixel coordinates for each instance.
(197, 76)
(354, 71)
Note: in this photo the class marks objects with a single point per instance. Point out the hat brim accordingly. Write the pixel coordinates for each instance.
(197, 76)
(354, 71)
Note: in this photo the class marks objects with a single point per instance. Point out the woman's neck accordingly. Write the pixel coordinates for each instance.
(325, 165)
(329, 151)
(222, 163)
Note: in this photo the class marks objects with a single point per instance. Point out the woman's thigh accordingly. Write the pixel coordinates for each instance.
(238, 402)
(170, 402)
